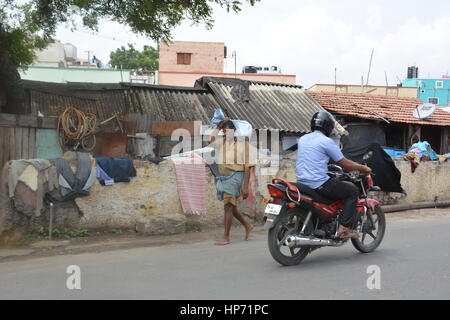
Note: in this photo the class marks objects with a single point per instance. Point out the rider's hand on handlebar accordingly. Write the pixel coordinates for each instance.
(366, 170)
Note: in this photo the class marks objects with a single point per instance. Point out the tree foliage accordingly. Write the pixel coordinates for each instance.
(146, 60)
(27, 25)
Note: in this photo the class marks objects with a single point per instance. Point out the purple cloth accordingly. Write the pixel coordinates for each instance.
(102, 175)
(416, 150)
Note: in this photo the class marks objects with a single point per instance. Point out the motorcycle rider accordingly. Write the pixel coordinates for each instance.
(314, 153)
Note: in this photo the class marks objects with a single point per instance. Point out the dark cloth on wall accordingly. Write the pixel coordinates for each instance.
(118, 169)
(74, 185)
(386, 174)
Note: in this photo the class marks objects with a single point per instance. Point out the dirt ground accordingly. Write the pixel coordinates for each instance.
(130, 239)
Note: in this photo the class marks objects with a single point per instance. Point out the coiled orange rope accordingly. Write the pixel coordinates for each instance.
(76, 124)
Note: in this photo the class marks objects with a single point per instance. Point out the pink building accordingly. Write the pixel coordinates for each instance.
(181, 63)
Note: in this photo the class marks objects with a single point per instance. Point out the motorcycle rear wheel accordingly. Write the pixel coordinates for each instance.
(289, 224)
(380, 228)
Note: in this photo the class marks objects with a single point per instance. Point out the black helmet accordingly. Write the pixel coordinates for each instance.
(323, 121)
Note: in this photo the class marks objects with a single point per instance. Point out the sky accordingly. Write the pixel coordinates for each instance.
(312, 39)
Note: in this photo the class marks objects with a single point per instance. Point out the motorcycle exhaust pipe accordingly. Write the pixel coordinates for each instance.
(299, 241)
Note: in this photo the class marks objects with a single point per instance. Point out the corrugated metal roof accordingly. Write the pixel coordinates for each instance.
(269, 106)
(173, 105)
(51, 99)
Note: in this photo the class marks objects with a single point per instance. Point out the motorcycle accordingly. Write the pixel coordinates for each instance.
(299, 220)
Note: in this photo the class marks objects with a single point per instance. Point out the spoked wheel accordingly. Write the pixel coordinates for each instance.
(289, 224)
(372, 232)
(88, 143)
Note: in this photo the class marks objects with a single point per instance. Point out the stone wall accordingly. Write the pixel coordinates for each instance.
(151, 196)
(430, 181)
(150, 203)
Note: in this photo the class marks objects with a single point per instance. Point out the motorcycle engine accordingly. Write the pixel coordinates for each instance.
(330, 228)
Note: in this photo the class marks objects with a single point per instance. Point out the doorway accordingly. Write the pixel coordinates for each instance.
(433, 136)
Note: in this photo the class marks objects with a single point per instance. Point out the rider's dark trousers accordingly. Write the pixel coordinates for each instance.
(336, 189)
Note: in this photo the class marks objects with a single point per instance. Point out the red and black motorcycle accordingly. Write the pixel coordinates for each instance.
(300, 220)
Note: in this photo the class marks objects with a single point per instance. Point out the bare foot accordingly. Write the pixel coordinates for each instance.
(248, 230)
(223, 242)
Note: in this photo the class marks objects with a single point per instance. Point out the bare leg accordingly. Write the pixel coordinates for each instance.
(228, 219)
(241, 219)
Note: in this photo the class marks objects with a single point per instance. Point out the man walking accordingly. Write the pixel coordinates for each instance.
(235, 168)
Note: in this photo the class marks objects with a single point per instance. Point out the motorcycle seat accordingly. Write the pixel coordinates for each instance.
(313, 194)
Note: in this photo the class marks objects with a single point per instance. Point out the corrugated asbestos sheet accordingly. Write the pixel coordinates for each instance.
(173, 105)
(270, 106)
(51, 99)
(157, 103)
(265, 105)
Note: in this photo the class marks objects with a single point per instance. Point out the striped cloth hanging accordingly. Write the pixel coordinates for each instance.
(192, 184)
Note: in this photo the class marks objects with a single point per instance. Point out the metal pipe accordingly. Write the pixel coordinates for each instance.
(299, 241)
(417, 205)
(306, 222)
(50, 227)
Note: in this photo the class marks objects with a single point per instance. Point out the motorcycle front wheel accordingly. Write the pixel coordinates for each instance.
(291, 223)
(372, 232)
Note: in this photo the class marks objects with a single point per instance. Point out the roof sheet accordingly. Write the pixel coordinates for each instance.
(265, 105)
(394, 109)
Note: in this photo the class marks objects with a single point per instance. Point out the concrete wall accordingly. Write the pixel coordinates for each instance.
(430, 180)
(63, 75)
(152, 194)
(205, 56)
(187, 79)
(150, 203)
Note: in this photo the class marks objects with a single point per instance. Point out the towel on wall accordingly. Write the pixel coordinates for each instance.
(192, 184)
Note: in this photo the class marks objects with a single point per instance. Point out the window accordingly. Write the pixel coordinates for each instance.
(439, 84)
(433, 100)
(184, 58)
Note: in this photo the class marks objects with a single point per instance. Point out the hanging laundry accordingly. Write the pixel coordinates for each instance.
(120, 170)
(414, 159)
(75, 184)
(29, 181)
(425, 149)
(192, 183)
(102, 176)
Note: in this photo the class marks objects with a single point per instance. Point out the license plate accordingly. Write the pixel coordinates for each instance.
(273, 209)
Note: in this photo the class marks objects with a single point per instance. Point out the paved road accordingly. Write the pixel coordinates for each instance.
(414, 260)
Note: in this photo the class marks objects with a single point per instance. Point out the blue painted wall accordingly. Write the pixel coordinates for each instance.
(431, 88)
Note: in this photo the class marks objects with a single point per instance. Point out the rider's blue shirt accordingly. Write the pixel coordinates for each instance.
(314, 153)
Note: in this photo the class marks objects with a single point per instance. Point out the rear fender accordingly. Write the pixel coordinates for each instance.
(272, 219)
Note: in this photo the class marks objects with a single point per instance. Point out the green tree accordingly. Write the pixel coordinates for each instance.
(130, 58)
(27, 25)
